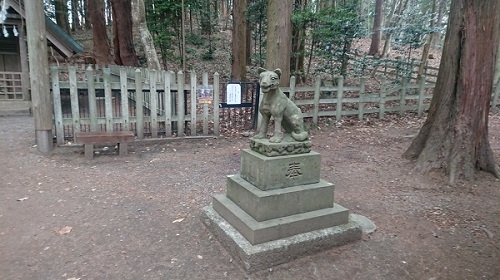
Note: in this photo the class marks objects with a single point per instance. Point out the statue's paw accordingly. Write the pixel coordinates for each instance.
(259, 136)
(275, 139)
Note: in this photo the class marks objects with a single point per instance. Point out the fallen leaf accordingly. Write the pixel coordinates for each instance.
(178, 220)
(64, 230)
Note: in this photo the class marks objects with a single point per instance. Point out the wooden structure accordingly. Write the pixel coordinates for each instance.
(167, 104)
(89, 139)
(14, 73)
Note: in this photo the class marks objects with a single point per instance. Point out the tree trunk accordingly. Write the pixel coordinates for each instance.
(455, 134)
(279, 38)
(427, 47)
(74, 15)
(61, 10)
(101, 50)
(238, 67)
(377, 25)
(122, 33)
(139, 21)
(436, 36)
(85, 13)
(298, 45)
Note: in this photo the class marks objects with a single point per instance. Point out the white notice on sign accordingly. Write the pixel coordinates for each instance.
(233, 94)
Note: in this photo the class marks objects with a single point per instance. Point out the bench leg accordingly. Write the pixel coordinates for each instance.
(123, 148)
(89, 151)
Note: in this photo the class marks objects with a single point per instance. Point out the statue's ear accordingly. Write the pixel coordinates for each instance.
(278, 71)
(260, 70)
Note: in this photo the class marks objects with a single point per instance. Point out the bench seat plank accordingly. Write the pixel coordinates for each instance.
(101, 137)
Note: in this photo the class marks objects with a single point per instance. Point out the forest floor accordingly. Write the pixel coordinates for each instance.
(138, 216)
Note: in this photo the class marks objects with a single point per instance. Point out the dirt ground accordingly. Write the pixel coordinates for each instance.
(138, 216)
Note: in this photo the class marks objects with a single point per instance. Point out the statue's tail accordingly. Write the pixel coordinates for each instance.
(300, 136)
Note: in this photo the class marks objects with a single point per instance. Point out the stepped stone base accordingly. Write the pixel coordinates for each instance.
(268, 254)
(259, 232)
(272, 204)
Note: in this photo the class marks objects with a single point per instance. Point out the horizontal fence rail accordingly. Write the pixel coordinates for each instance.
(162, 104)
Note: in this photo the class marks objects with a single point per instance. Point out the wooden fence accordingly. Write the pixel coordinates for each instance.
(163, 104)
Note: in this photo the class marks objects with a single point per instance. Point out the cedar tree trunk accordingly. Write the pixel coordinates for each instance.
(377, 25)
(279, 38)
(238, 46)
(139, 21)
(122, 33)
(455, 135)
(101, 50)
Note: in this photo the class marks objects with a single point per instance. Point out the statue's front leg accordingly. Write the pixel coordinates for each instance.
(264, 124)
(278, 132)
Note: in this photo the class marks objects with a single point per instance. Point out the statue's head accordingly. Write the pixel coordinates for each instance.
(269, 79)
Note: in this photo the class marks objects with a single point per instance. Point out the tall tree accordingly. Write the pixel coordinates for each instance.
(61, 10)
(122, 33)
(279, 38)
(139, 21)
(75, 21)
(377, 26)
(455, 133)
(300, 23)
(238, 61)
(101, 49)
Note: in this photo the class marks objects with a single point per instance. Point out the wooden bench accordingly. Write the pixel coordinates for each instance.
(102, 137)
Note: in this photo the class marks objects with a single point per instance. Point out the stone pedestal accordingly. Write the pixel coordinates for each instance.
(277, 208)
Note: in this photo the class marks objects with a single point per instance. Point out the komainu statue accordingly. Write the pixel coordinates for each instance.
(276, 104)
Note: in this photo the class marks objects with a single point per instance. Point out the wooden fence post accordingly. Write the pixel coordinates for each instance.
(108, 99)
(361, 104)
(402, 100)
(216, 104)
(73, 92)
(124, 99)
(193, 102)
(168, 105)
(139, 105)
(180, 103)
(292, 88)
(92, 99)
(56, 95)
(383, 92)
(317, 86)
(496, 96)
(153, 103)
(205, 106)
(421, 93)
(340, 95)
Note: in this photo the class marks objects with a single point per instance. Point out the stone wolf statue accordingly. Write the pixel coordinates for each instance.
(276, 104)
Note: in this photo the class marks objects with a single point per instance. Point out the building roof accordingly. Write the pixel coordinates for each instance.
(62, 42)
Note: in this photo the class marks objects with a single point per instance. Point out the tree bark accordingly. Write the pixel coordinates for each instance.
(139, 21)
(101, 50)
(427, 47)
(61, 10)
(377, 26)
(122, 33)
(238, 66)
(279, 38)
(455, 134)
(74, 15)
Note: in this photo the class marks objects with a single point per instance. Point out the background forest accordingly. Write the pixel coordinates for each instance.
(227, 36)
